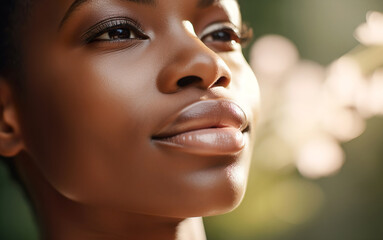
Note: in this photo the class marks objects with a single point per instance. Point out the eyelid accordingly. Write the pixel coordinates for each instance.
(219, 26)
(109, 24)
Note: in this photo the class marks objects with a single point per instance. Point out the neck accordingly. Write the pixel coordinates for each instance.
(84, 223)
(61, 218)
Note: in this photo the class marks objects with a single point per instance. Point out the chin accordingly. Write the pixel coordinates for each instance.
(217, 190)
(229, 194)
(221, 193)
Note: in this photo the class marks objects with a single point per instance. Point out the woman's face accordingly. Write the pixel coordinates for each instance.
(144, 106)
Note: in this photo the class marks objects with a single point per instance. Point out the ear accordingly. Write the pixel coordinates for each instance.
(10, 137)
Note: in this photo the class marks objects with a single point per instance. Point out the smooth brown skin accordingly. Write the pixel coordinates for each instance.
(81, 129)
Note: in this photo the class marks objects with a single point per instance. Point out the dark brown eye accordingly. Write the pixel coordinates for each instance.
(116, 35)
(115, 29)
(224, 35)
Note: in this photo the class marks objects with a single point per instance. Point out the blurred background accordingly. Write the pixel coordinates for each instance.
(317, 166)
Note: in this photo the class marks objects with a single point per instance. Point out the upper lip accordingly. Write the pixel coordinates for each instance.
(205, 114)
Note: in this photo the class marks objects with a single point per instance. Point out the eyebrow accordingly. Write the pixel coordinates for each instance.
(206, 3)
(77, 3)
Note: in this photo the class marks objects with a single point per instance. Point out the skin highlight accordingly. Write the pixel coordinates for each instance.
(136, 118)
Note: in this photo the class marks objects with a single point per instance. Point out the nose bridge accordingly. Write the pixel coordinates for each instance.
(188, 58)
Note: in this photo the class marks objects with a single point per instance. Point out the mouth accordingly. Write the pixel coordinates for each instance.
(210, 127)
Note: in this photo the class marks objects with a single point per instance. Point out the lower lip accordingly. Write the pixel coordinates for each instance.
(211, 141)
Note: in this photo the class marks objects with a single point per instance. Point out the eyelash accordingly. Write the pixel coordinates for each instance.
(247, 34)
(243, 37)
(113, 24)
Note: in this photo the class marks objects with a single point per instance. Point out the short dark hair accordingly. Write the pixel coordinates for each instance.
(13, 14)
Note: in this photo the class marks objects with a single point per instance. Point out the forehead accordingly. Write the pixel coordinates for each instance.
(201, 3)
(67, 7)
(56, 13)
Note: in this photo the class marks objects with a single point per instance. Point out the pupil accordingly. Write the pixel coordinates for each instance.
(222, 36)
(119, 34)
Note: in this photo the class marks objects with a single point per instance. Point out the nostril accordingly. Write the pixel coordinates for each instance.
(189, 80)
(222, 81)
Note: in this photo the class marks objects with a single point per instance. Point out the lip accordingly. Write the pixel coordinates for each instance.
(209, 127)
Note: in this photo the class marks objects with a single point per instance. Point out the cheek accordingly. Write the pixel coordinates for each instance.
(83, 116)
(244, 86)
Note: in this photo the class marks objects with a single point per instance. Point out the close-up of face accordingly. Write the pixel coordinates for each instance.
(141, 106)
(190, 119)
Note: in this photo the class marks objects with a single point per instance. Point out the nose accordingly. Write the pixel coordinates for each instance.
(190, 63)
